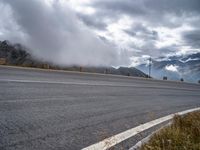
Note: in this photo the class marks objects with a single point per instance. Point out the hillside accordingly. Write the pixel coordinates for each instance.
(16, 54)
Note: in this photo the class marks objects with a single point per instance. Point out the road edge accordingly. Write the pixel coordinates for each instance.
(118, 138)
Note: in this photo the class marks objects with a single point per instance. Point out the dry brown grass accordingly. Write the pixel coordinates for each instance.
(182, 134)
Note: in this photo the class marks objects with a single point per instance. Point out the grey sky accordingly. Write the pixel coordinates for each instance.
(102, 32)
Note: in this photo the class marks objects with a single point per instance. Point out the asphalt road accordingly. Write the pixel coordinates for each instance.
(47, 110)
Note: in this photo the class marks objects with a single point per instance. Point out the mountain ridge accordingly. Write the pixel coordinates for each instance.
(175, 67)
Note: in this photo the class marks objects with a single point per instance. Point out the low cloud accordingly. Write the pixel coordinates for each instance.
(53, 32)
(172, 68)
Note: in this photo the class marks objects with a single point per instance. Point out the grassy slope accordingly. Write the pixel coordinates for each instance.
(183, 134)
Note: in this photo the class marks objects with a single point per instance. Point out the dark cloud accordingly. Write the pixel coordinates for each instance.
(148, 14)
(118, 7)
(156, 12)
(92, 21)
(150, 49)
(146, 7)
(178, 7)
(192, 38)
(130, 32)
(142, 32)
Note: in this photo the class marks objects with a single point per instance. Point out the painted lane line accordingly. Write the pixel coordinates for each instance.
(116, 139)
(93, 84)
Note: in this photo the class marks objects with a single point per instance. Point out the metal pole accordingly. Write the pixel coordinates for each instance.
(150, 67)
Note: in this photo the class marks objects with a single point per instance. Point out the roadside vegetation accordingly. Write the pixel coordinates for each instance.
(182, 134)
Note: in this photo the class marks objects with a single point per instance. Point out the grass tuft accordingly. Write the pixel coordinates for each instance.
(182, 134)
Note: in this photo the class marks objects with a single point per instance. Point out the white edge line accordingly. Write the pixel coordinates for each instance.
(146, 139)
(113, 140)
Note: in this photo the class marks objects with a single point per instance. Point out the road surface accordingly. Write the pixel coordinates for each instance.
(58, 110)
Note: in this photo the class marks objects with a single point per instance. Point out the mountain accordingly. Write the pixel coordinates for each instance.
(175, 67)
(16, 54)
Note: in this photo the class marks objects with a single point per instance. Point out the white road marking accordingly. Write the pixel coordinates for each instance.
(94, 84)
(48, 82)
(146, 139)
(66, 83)
(113, 140)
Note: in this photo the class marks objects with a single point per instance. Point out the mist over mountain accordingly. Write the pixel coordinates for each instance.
(18, 55)
(101, 32)
(52, 32)
(175, 67)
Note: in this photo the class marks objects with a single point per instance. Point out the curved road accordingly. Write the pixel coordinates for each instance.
(65, 110)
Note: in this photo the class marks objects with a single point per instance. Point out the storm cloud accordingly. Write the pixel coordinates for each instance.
(53, 32)
(153, 25)
(102, 32)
